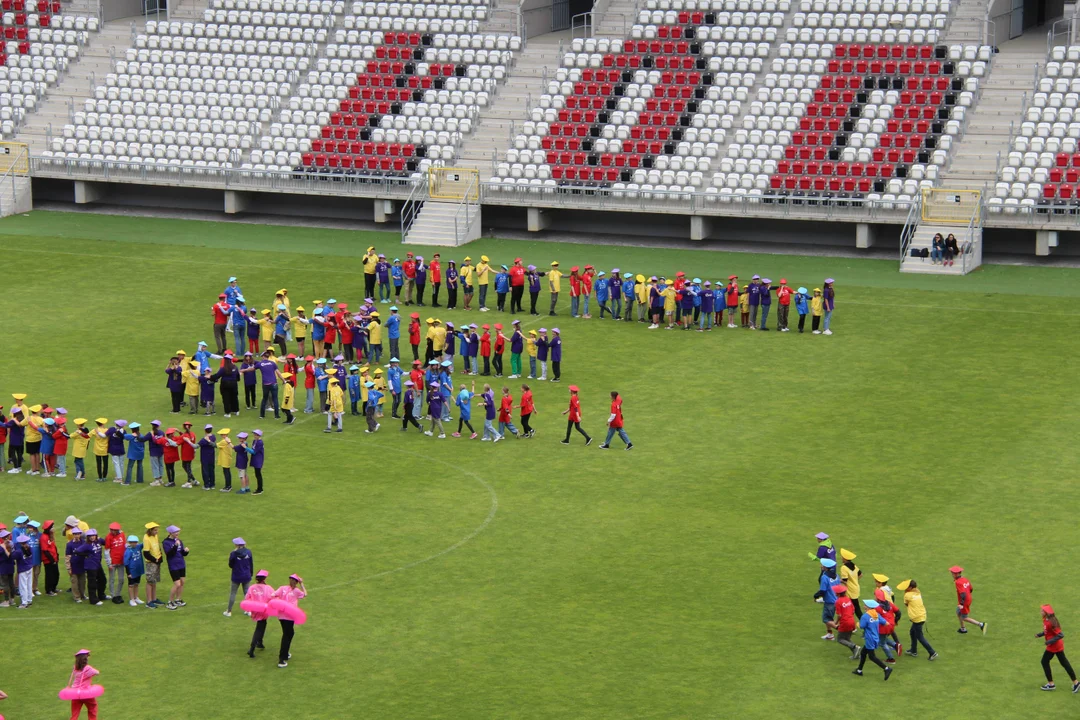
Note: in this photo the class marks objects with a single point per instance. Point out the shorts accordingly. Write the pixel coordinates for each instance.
(467, 289)
(153, 573)
(963, 612)
(732, 308)
(828, 610)
(177, 574)
(33, 448)
(134, 581)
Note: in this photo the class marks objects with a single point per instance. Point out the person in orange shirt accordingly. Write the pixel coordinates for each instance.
(573, 422)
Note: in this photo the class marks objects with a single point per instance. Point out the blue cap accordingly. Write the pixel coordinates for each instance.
(871, 603)
(447, 363)
(826, 562)
(281, 306)
(240, 299)
(697, 280)
(627, 276)
(134, 426)
(393, 308)
(320, 361)
(803, 290)
(232, 279)
(394, 360)
(369, 384)
(202, 343)
(22, 518)
(318, 311)
(331, 301)
(50, 421)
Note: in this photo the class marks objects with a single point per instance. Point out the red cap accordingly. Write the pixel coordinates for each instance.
(1048, 609)
(290, 356)
(879, 595)
(783, 281)
(573, 388)
(839, 588)
(574, 269)
(732, 277)
(408, 254)
(309, 358)
(114, 526)
(956, 569)
(588, 267)
(415, 316)
(517, 259)
(221, 296)
(498, 326)
(416, 362)
(680, 274)
(486, 326)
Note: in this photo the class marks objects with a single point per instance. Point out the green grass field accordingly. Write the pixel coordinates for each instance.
(451, 579)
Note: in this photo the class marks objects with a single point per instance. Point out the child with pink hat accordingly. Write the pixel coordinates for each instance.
(254, 605)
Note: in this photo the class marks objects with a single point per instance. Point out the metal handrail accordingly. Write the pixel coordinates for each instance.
(1064, 28)
(969, 247)
(911, 224)
(583, 22)
(415, 202)
(9, 176)
(465, 205)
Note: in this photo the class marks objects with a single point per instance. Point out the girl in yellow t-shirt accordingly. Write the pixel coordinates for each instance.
(817, 310)
(744, 306)
(80, 442)
(101, 448)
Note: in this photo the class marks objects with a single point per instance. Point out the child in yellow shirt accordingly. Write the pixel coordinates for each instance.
(669, 306)
(530, 348)
(225, 458)
(287, 397)
(80, 441)
(744, 306)
(817, 310)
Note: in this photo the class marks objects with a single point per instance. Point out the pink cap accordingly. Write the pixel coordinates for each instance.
(296, 577)
(84, 651)
(263, 573)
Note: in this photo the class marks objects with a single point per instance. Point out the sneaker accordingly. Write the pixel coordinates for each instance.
(171, 484)
(13, 471)
(473, 436)
(1049, 686)
(857, 671)
(132, 603)
(180, 603)
(819, 600)
(227, 613)
(442, 436)
(604, 446)
(817, 332)
(283, 664)
(565, 442)
(962, 631)
(257, 492)
(428, 433)
(888, 672)
(588, 442)
(827, 332)
(156, 483)
(855, 653)
(139, 602)
(827, 636)
(1076, 687)
(457, 434)
(909, 653)
(98, 603)
(933, 657)
(899, 649)
(497, 439)
(983, 626)
(377, 426)
(186, 485)
(890, 661)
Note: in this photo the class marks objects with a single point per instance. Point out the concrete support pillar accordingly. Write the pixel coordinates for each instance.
(88, 192)
(1044, 241)
(700, 227)
(539, 219)
(384, 210)
(235, 202)
(865, 235)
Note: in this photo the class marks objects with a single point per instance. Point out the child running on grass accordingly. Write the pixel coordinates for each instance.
(464, 403)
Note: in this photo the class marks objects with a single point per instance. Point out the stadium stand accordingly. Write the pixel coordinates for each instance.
(40, 41)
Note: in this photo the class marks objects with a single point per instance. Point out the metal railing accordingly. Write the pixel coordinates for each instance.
(9, 180)
(189, 174)
(911, 224)
(466, 210)
(413, 205)
(1062, 32)
(683, 202)
(586, 24)
(973, 243)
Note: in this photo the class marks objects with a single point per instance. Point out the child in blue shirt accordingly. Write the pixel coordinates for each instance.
(353, 385)
(373, 398)
(135, 567)
(502, 287)
(629, 296)
(601, 287)
(398, 276)
(136, 452)
(464, 403)
(802, 306)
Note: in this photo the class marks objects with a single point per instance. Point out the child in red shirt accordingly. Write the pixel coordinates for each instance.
(485, 348)
(60, 446)
(963, 600)
(1055, 645)
(506, 406)
(527, 409)
(845, 623)
(500, 347)
(574, 421)
(414, 335)
(187, 454)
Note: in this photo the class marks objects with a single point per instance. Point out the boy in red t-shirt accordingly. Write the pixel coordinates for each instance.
(506, 407)
(845, 624)
(615, 423)
(187, 454)
(890, 612)
(963, 600)
(783, 295)
(574, 421)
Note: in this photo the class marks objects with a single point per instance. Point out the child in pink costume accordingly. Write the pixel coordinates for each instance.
(258, 595)
(290, 594)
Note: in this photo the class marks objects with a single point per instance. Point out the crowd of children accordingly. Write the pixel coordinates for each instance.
(334, 329)
(44, 435)
(101, 567)
(839, 590)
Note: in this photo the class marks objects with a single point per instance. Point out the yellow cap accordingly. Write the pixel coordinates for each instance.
(533, 333)
(430, 321)
(280, 292)
(467, 259)
(266, 312)
(903, 585)
(299, 308)
(364, 368)
(224, 431)
(286, 375)
(437, 321)
(316, 302)
(181, 352)
(331, 371)
(334, 381)
(151, 525)
(554, 262)
(80, 421)
(847, 554)
(817, 289)
(102, 421)
(371, 248)
(640, 278)
(881, 578)
(35, 408)
(19, 396)
(193, 363)
(483, 258)
(378, 371)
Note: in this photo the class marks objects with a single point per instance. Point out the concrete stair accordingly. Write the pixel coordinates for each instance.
(968, 22)
(93, 65)
(435, 225)
(975, 157)
(617, 19)
(493, 132)
(924, 238)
